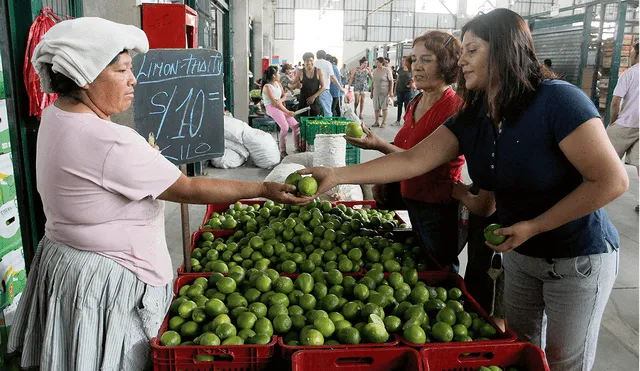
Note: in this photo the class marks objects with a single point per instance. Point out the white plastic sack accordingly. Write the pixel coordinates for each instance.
(230, 160)
(345, 192)
(330, 150)
(349, 114)
(234, 129)
(281, 172)
(241, 149)
(304, 158)
(263, 149)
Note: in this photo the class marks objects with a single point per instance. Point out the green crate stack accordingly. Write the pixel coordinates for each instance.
(353, 155)
(308, 131)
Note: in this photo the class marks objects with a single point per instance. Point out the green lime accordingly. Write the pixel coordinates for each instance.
(170, 339)
(402, 292)
(289, 267)
(391, 266)
(307, 302)
(319, 290)
(330, 302)
(361, 292)
(419, 295)
(260, 339)
(414, 334)
(252, 294)
(259, 309)
(325, 326)
(312, 336)
(455, 305)
(235, 300)
(334, 277)
(487, 331)
(263, 326)
(199, 315)
(454, 293)
(433, 305)
(339, 325)
(371, 308)
(263, 283)
(459, 330)
(392, 323)
(276, 310)
(298, 321)
(304, 283)
(335, 317)
(410, 277)
(209, 339)
(395, 280)
(446, 315)
(186, 308)
(294, 297)
(491, 237)
(349, 335)
(176, 322)
(282, 323)
(233, 340)
(225, 331)
(190, 329)
(176, 304)
(442, 331)
(375, 333)
(441, 293)
(351, 311)
(220, 319)
(246, 333)
(307, 186)
(464, 319)
(477, 324)
(247, 320)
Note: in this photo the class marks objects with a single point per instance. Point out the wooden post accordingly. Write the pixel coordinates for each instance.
(186, 238)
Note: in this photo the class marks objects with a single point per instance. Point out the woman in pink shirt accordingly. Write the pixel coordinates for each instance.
(100, 282)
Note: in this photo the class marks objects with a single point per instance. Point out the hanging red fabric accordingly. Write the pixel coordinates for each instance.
(38, 100)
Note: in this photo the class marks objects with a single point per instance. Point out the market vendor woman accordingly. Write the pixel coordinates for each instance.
(100, 282)
(541, 147)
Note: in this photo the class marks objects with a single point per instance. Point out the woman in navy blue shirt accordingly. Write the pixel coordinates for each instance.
(541, 147)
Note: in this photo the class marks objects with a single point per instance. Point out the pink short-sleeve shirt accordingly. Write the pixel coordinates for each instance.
(99, 182)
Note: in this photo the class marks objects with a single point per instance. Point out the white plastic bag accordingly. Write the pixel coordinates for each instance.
(304, 158)
(234, 129)
(230, 160)
(263, 149)
(348, 113)
(281, 172)
(241, 149)
(330, 150)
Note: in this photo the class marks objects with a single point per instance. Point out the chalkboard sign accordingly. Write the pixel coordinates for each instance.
(179, 102)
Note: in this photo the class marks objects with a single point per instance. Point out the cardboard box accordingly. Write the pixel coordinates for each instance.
(10, 237)
(5, 141)
(13, 274)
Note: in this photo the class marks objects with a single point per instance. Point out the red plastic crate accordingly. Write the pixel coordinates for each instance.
(526, 356)
(371, 359)
(448, 280)
(288, 351)
(195, 236)
(228, 357)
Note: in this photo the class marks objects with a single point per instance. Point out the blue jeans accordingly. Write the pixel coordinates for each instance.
(325, 101)
(403, 99)
(558, 304)
(437, 226)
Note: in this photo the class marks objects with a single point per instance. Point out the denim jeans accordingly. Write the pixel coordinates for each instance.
(437, 226)
(403, 99)
(325, 101)
(558, 304)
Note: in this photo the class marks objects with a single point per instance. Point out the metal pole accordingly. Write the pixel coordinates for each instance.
(186, 239)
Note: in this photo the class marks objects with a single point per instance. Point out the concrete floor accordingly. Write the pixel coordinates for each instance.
(618, 341)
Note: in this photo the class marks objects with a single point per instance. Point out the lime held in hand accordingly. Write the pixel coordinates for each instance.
(308, 186)
(491, 237)
(354, 130)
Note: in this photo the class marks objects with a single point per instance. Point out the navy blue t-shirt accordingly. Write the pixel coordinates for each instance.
(525, 168)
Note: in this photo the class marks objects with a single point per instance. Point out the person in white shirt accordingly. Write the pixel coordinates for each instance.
(623, 128)
(327, 71)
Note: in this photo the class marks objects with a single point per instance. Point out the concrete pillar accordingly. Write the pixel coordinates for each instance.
(256, 14)
(240, 37)
(268, 27)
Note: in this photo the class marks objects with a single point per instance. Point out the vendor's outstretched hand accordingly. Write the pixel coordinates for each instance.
(324, 176)
(369, 141)
(280, 192)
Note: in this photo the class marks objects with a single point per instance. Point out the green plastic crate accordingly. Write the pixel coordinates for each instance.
(353, 155)
(308, 130)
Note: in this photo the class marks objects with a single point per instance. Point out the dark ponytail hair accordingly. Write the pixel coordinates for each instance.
(268, 75)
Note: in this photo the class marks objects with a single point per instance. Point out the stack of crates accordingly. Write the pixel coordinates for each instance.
(309, 128)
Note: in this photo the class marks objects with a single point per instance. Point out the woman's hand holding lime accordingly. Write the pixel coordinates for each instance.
(369, 141)
(323, 175)
(516, 235)
(279, 192)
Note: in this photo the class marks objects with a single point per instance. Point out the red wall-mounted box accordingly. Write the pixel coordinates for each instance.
(170, 26)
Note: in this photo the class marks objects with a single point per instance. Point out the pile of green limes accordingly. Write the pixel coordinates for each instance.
(296, 246)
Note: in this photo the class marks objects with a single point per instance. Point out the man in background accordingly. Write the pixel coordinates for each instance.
(335, 89)
(623, 128)
(329, 76)
(344, 74)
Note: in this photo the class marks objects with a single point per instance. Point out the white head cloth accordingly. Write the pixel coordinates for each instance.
(81, 48)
